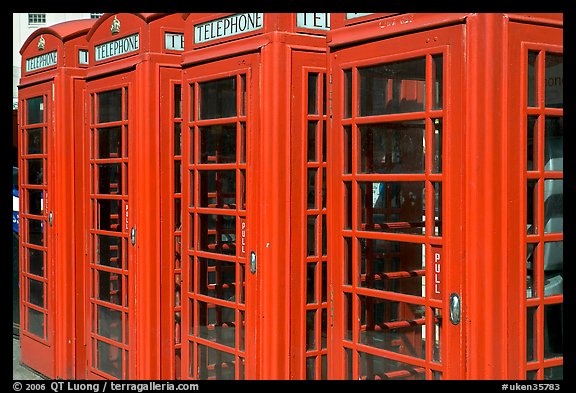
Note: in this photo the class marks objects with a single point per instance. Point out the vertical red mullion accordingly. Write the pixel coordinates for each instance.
(354, 225)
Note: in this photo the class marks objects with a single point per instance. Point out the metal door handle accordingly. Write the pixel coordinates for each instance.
(252, 262)
(50, 217)
(455, 308)
(133, 235)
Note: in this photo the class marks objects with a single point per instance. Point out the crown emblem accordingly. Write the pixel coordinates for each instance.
(115, 28)
(41, 43)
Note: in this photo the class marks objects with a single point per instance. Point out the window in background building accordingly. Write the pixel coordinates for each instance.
(96, 15)
(34, 19)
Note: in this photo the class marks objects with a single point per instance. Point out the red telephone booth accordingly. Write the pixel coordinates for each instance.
(53, 59)
(118, 321)
(253, 169)
(445, 190)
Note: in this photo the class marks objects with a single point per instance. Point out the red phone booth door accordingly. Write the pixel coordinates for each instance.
(109, 295)
(396, 115)
(218, 284)
(37, 270)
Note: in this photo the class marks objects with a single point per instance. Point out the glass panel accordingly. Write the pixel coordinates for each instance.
(436, 344)
(531, 288)
(218, 98)
(348, 316)
(553, 330)
(311, 236)
(108, 214)
(108, 251)
(531, 210)
(243, 95)
(397, 87)
(217, 279)
(177, 213)
(177, 176)
(109, 142)
(348, 261)
(177, 101)
(532, 144)
(109, 287)
(109, 323)
(323, 188)
(376, 367)
(437, 208)
(553, 267)
(531, 329)
(217, 233)
(348, 362)
(554, 373)
(242, 147)
(35, 110)
(312, 173)
(532, 85)
(532, 375)
(35, 171)
(110, 106)
(393, 207)
(347, 149)
(218, 144)
(347, 94)
(311, 282)
(109, 359)
(35, 141)
(310, 329)
(324, 141)
(177, 139)
(241, 329)
(392, 266)
(437, 87)
(125, 103)
(36, 232)
(392, 147)
(36, 262)
(554, 144)
(323, 328)
(392, 325)
(36, 292)
(218, 189)
(109, 179)
(311, 368)
(347, 205)
(242, 190)
(36, 322)
(324, 365)
(312, 93)
(312, 125)
(324, 235)
(554, 78)
(35, 202)
(553, 206)
(325, 92)
(437, 147)
(216, 323)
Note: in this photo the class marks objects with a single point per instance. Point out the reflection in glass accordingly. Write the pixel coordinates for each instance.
(109, 142)
(217, 189)
(312, 172)
(108, 251)
(554, 144)
(35, 110)
(109, 179)
(312, 93)
(217, 233)
(393, 207)
(347, 94)
(36, 262)
(311, 282)
(554, 80)
(109, 359)
(347, 149)
(437, 86)
(553, 330)
(217, 323)
(437, 147)
(532, 144)
(110, 106)
(36, 322)
(35, 141)
(217, 279)
(530, 333)
(218, 98)
(310, 329)
(109, 323)
(109, 287)
(35, 202)
(532, 85)
(36, 232)
(553, 205)
(312, 125)
(108, 214)
(376, 367)
(218, 144)
(392, 147)
(36, 292)
(311, 236)
(531, 289)
(531, 211)
(35, 171)
(392, 266)
(397, 87)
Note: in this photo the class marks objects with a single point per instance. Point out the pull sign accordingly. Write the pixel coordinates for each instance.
(252, 262)
(455, 308)
(133, 236)
(242, 237)
(437, 277)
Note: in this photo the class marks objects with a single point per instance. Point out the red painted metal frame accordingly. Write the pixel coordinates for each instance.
(66, 38)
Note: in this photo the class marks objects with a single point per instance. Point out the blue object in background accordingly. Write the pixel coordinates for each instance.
(15, 201)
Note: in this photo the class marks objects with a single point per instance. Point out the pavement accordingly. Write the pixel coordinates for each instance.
(20, 372)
